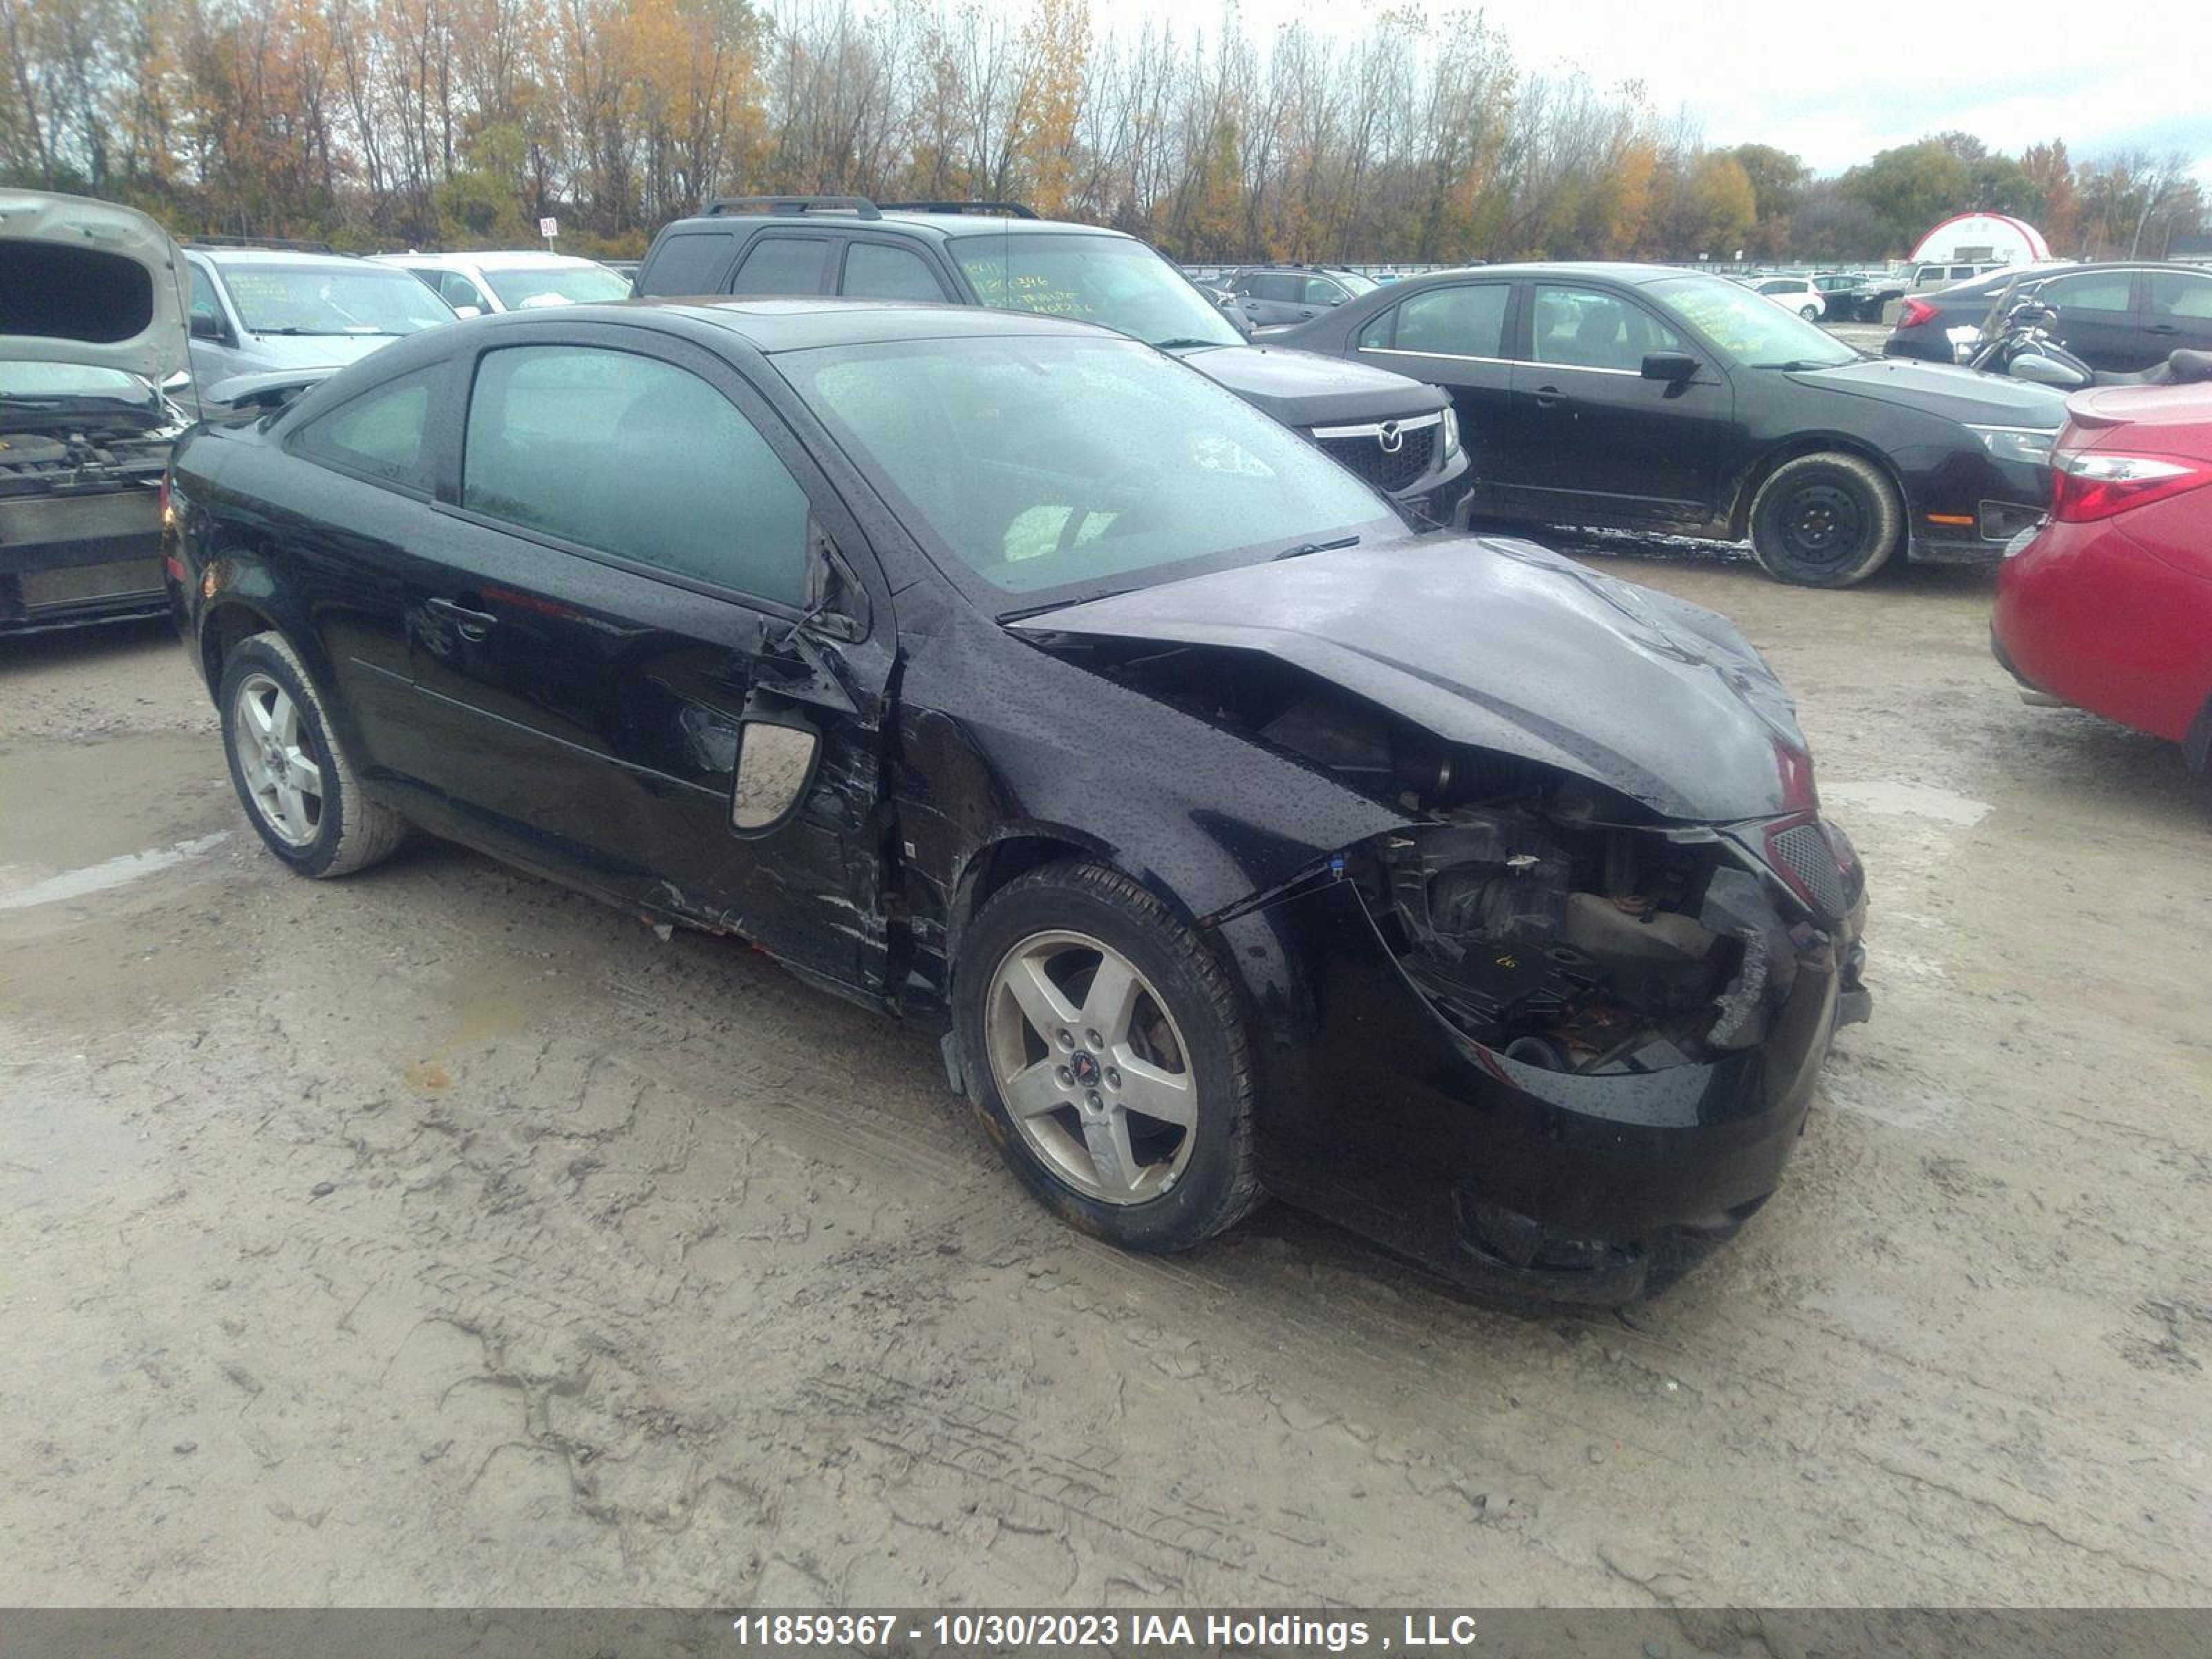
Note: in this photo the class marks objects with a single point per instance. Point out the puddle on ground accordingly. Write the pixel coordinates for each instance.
(1908, 800)
(111, 872)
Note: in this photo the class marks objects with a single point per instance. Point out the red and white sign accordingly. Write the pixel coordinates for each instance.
(549, 229)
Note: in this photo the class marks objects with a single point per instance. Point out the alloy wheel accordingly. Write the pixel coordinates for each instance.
(1090, 1066)
(275, 755)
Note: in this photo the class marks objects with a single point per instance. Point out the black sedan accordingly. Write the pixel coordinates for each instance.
(1005, 674)
(1651, 398)
(2120, 318)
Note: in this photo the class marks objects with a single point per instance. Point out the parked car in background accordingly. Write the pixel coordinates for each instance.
(1002, 671)
(1395, 433)
(2108, 606)
(1275, 294)
(1856, 296)
(1935, 275)
(2122, 316)
(279, 311)
(92, 304)
(1653, 398)
(1795, 293)
(479, 284)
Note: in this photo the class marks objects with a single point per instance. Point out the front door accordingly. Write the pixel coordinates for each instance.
(628, 546)
(2178, 311)
(1588, 440)
(2098, 319)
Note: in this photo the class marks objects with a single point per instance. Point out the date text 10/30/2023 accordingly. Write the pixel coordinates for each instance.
(1332, 1633)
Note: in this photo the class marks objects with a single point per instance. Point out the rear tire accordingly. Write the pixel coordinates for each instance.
(1081, 1000)
(1826, 520)
(292, 775)
(1810, 313)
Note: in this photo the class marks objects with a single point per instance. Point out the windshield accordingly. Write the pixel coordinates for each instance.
(273, 299)
(71, 380)
(1751, 328)
(1057, 468)
(1359, 285)
(521, 287)
(1099, 279)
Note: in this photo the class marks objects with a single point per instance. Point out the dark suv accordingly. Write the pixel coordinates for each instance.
(1397, 434)
(1275, 294)
(2121, 317)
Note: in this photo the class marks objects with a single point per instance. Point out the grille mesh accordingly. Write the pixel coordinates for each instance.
(1387, 470)
(1804, 853)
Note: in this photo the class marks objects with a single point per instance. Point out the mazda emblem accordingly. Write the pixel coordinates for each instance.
(1390, 438)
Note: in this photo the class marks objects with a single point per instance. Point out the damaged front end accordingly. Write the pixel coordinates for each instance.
(1555, 1029)
(1593, 948)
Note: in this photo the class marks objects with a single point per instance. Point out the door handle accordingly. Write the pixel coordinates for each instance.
(1550, 397)
(472, 624)
(2162, 328)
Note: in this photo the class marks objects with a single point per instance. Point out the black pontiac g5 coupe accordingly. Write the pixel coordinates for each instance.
(1007, 674)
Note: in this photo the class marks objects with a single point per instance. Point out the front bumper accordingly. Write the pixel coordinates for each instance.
(1963, 505)
(1505, 1176)
(70, 559)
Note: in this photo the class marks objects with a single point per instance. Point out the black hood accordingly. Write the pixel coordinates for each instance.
(1304, 388)
(1960, 394)
(1502, 646)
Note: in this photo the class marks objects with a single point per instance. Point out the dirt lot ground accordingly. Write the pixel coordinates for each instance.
(440, 1237)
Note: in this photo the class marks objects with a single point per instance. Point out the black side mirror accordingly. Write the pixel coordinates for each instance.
(779, 752)
(204, 327)
(1671, 366)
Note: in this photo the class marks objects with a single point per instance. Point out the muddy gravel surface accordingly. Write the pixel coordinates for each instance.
(437, 1236)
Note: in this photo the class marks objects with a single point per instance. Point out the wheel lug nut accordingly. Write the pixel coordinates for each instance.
(1066, 1039)
(1091, 1101)
(1067, 1078)
(1113, 1078)
(1091, 1040)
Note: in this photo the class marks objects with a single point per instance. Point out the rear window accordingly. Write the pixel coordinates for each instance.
(781, 265)
(690, 263)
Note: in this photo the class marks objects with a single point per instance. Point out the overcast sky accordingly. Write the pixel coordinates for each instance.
(1835, 81)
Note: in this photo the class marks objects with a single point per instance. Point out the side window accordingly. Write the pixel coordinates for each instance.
(1776, 287)
(1375, 337)
(1245, 285)
(781, 265)
(457, 290)
(1582, 328)
(384, 433)
(636, 458)
(204, 303)
(1321, 291)
(875, 270)
(2096, 290)
(1467, 320)
(691, 263)
(2180, 293)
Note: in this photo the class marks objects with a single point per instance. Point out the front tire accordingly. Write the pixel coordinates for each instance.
(1810, 313)
(292, 775)
(1826, 520)
(1106, 1055)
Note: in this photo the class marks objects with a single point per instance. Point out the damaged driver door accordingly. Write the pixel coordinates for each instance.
(636, 555)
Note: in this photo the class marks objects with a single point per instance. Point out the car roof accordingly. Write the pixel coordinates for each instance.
(1598, 270)
(525, 258)
(275, 256)
(950, 227)
(802, 324)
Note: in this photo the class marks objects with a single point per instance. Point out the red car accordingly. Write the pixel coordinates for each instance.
(2108, 606)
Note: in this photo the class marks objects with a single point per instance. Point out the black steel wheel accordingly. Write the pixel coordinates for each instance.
(1826, 520)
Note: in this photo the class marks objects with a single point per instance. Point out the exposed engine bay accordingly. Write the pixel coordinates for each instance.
(74, 458)
(1543, 916)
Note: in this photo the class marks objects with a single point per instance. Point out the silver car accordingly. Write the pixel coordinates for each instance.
(269, 311)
